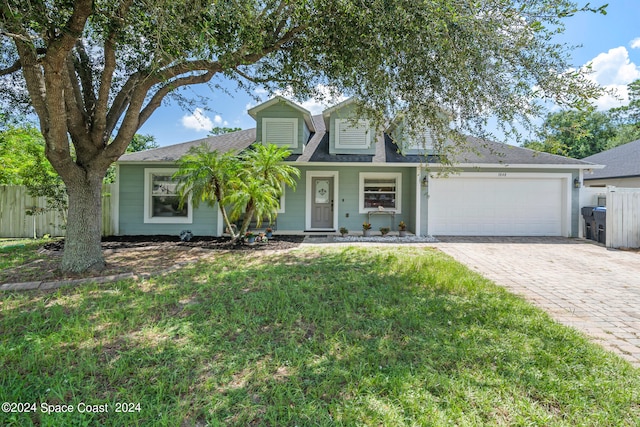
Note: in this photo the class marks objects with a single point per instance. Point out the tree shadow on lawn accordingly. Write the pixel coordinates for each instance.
(324, 336)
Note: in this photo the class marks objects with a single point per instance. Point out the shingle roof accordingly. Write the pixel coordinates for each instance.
(237, 141)
(477, 151)
(621, 161)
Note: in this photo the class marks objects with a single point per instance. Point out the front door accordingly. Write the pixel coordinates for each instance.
(322, 202)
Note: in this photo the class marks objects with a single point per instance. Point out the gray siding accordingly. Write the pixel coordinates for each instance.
(348, 199)
(281, 110)
(347, 112)
(131, 208)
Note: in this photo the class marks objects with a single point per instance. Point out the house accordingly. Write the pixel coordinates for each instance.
(350, 174)
(621, 167)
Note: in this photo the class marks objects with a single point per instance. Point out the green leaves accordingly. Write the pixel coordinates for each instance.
(582, 133)
(249, 184)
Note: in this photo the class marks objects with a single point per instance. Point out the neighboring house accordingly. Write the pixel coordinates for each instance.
(351, 174)
(621, 167)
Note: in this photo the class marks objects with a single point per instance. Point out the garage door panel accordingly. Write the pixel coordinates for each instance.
(496, 206)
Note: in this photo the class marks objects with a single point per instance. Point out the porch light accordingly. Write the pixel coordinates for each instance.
(425, 183)
(576, 183)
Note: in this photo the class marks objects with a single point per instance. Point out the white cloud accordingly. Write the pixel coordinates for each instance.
(614, 67)
(614, 70)
(197, 121)
(620, 96)
(635, 43)
(218, 120)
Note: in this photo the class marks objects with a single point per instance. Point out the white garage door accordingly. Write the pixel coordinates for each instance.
(492, 205)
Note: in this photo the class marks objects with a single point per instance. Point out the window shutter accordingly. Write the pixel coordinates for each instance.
(280, 132)
(350, 135)
(423, 140)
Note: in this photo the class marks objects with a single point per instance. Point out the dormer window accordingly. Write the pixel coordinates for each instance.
(350, 134)
(420, 141)
(282, 132)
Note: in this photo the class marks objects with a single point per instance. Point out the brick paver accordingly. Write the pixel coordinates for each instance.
(579, 283)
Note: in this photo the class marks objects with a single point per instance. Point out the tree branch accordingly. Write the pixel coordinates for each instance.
(100, 117)
(17, 66)
(71, 32)
(83, 68)
(11, 69)
(34, 79)
(157, 98)
(257, 80)
(75, 108)
(129, 126)
(119, 105)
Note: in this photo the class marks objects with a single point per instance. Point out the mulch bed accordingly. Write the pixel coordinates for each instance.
(203, 242)
(140, 255)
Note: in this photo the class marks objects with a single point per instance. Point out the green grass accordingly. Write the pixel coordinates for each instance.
(335, 336)
(14, 252)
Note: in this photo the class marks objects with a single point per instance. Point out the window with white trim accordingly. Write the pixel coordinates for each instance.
(380, 191)
(351, 134)
(281, 132)
(161, 199)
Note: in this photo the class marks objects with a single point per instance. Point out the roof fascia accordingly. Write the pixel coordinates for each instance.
(305, 113)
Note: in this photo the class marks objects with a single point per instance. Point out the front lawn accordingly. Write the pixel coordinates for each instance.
(390, 336)
(14, 252)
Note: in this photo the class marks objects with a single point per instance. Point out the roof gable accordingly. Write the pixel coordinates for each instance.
(326, 114)
(253, 112)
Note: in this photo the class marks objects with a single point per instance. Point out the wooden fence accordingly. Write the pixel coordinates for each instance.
(623, 217)
(15, 201)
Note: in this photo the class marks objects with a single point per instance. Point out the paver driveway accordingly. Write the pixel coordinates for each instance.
(577, 282)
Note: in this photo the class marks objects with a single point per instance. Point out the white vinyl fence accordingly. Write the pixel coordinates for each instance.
(623, 217)
(15, 201)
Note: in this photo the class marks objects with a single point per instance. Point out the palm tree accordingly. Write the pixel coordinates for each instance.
(249, 183)
(262, 178)
(205, 175)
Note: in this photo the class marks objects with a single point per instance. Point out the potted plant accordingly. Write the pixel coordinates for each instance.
(366, 229)
(269, 232)
(384, 230)
(402, 229)
(344, 231)
(250, 237)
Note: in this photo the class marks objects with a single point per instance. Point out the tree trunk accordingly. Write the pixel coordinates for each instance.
(82, 248)
(227, 222)
(247, 220)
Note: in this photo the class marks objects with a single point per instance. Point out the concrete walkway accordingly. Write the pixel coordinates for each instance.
(579, 283)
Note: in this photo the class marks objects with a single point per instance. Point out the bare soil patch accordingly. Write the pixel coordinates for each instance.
(140, 255)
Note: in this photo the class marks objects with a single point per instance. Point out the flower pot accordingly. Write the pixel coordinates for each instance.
(402, 233)
(251, 240)
(269, 234)
(366, 233)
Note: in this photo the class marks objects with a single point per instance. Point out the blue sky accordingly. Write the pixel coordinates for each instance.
(610, 42)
